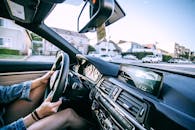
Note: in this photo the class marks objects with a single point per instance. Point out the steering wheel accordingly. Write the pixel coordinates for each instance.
(58, 81)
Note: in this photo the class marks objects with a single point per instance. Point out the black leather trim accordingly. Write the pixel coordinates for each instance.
(22, 66)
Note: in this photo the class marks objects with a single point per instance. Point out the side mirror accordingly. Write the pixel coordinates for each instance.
(99, 12)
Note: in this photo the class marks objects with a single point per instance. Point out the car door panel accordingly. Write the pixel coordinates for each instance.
(12, 72)
(17, 77)
(23, 66)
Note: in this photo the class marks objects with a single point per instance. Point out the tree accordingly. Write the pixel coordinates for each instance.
(186, 55)
(36, 37)
(90, 49)
(166, 58)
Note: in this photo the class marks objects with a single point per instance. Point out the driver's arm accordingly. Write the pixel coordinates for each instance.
(13, 92)
(45, 109)
(22, 90)
(42, 81)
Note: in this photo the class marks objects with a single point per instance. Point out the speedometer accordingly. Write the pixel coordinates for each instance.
(91, 72)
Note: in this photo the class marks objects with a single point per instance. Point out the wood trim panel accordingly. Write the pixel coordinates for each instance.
(17, 77)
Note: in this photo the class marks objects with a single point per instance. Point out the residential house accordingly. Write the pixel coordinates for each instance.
(129, 46)
(152, 48)
(108, 48)
(78, 40)
(125, 45)
(180, 50)
(136, 47)
(14, 37)
(164, 52)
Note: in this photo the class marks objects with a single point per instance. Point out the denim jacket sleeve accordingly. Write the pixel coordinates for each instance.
(17, 125)
(16, 91)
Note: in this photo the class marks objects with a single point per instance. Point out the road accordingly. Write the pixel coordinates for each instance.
(41, 58)
(183, 68)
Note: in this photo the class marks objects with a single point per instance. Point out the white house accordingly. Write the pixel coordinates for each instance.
(78, 40)
(14, 37)
(107, 48)
(129, 46)
(125, 45)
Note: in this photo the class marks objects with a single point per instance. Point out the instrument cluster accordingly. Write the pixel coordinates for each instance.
(88, 70)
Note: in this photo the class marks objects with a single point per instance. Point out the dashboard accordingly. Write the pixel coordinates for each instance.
(138, 98)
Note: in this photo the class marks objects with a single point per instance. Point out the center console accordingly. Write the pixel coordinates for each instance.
(116, 109)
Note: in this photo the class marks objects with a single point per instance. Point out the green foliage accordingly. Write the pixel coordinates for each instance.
(184, 56)
(139, 55)
(166, 58)
(9, 51)
(90, 49)
(7, 56)
(36, 37)
(192, 58)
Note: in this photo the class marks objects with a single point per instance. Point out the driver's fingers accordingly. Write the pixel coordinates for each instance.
(53, 68)
(44, 79)
(56, 104)
(48, 75)
(48, 99)
(55, 109)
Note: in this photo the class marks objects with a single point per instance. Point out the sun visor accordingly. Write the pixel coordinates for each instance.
(22, 11)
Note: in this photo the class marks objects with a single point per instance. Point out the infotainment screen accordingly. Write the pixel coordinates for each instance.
(144, 79)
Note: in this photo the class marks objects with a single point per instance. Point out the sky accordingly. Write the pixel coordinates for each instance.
(147, 21)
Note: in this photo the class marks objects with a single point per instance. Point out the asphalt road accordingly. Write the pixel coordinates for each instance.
(182, 68)
(41, 58)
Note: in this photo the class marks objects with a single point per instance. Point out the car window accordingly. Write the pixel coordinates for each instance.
(148, 29)
(19, 44)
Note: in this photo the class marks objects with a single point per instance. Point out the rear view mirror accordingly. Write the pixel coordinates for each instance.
(118, 14)
(93, 14)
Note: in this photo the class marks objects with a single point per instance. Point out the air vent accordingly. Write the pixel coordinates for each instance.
(134, 106)
(106, 87)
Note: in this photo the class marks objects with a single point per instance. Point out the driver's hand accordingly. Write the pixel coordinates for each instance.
(48, 108)
(42, 81)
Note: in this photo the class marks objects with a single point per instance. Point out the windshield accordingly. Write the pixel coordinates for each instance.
(162, 29)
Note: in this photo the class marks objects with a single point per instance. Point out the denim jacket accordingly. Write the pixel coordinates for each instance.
(9, 94)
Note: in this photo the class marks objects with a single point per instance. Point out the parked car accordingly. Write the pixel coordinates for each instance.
(185, 61)
(102, 56)
(150, 59)
(105, 57)
(173, 60)
(130, 57)
(180, 61)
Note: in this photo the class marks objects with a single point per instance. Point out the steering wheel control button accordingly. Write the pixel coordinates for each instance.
(75, 85)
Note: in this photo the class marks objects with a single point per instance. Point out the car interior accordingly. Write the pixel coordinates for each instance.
(111, 96)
